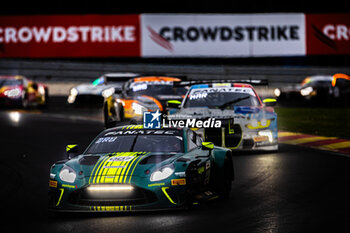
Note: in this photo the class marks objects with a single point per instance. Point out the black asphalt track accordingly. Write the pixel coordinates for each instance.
(293, 190)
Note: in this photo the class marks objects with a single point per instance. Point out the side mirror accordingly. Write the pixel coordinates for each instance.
(173, 104)
(71, 151)
(270, 102)
(207, 145)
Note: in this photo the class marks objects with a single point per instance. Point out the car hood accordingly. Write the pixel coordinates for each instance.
(90, 89)
(154, 101)
(116, 167)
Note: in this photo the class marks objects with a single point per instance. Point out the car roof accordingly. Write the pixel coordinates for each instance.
(121, 75)
(156, 78)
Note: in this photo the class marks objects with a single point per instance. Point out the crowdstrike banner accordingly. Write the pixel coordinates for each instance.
(174, 35)
(328, 33)
(69, 36)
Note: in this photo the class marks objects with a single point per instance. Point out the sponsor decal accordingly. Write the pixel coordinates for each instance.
(119, 159)
(181, 174)
(106, 139)
(148, 132)
(181, 181)
(68, 186)
(53, 184)
(156, 184)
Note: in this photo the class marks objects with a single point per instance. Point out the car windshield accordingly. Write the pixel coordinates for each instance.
(221, 98)
(10, 82)
(136, 143)
(155, 88)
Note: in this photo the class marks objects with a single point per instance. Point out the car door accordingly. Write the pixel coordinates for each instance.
(204, 157)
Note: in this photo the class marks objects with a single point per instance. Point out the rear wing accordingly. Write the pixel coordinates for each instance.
(260, 82)
(108, 78)
(339, 76)
(118, 77)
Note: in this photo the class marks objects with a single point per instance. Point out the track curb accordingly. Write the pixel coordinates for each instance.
(333, 144)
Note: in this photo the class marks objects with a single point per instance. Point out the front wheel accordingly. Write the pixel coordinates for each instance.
(108, 122)
(24, 101)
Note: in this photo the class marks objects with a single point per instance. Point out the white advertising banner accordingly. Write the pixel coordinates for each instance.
(211, 35)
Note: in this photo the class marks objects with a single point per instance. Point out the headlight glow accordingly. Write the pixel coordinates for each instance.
(72, 95)
(15, 92)
(162, 173)
(138, 108)
(277, 92)
(109, 188)
(108, 92)
(267, 133)
(254, 124)
(67, 174)
(41, 90)
(73, 92)
(306, 91)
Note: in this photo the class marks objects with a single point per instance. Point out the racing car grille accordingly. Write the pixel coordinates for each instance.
(232, 137)
(136, 196)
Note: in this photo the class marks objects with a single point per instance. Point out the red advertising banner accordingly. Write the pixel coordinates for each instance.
(70, 36)
(327, 34)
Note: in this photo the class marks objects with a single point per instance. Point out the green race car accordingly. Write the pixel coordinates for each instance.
(130, 168)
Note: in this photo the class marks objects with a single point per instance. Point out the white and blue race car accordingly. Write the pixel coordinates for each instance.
(247, 122)
(95, 92)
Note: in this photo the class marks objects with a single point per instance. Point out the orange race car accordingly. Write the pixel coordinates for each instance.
(138, 95)
(18, 91)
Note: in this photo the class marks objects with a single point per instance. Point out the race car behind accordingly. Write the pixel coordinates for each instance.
(93, 94)
(321, 89)
(246, 122)
(18, 91)
(141, 94)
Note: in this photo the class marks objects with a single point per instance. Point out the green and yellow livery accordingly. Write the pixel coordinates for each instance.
(129, 168)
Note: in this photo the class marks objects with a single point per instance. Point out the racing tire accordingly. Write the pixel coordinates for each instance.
(46, 100)
(24, 101)
(108, 122)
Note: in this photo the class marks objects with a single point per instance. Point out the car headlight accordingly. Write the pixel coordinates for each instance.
(306, 91)
(73, 92)
(15, 92)
(267, 133)
(67, 174)
(138, 108)
(254, 124)
(41, 90)
(162, 173)
(108, 92)
(277, 92)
